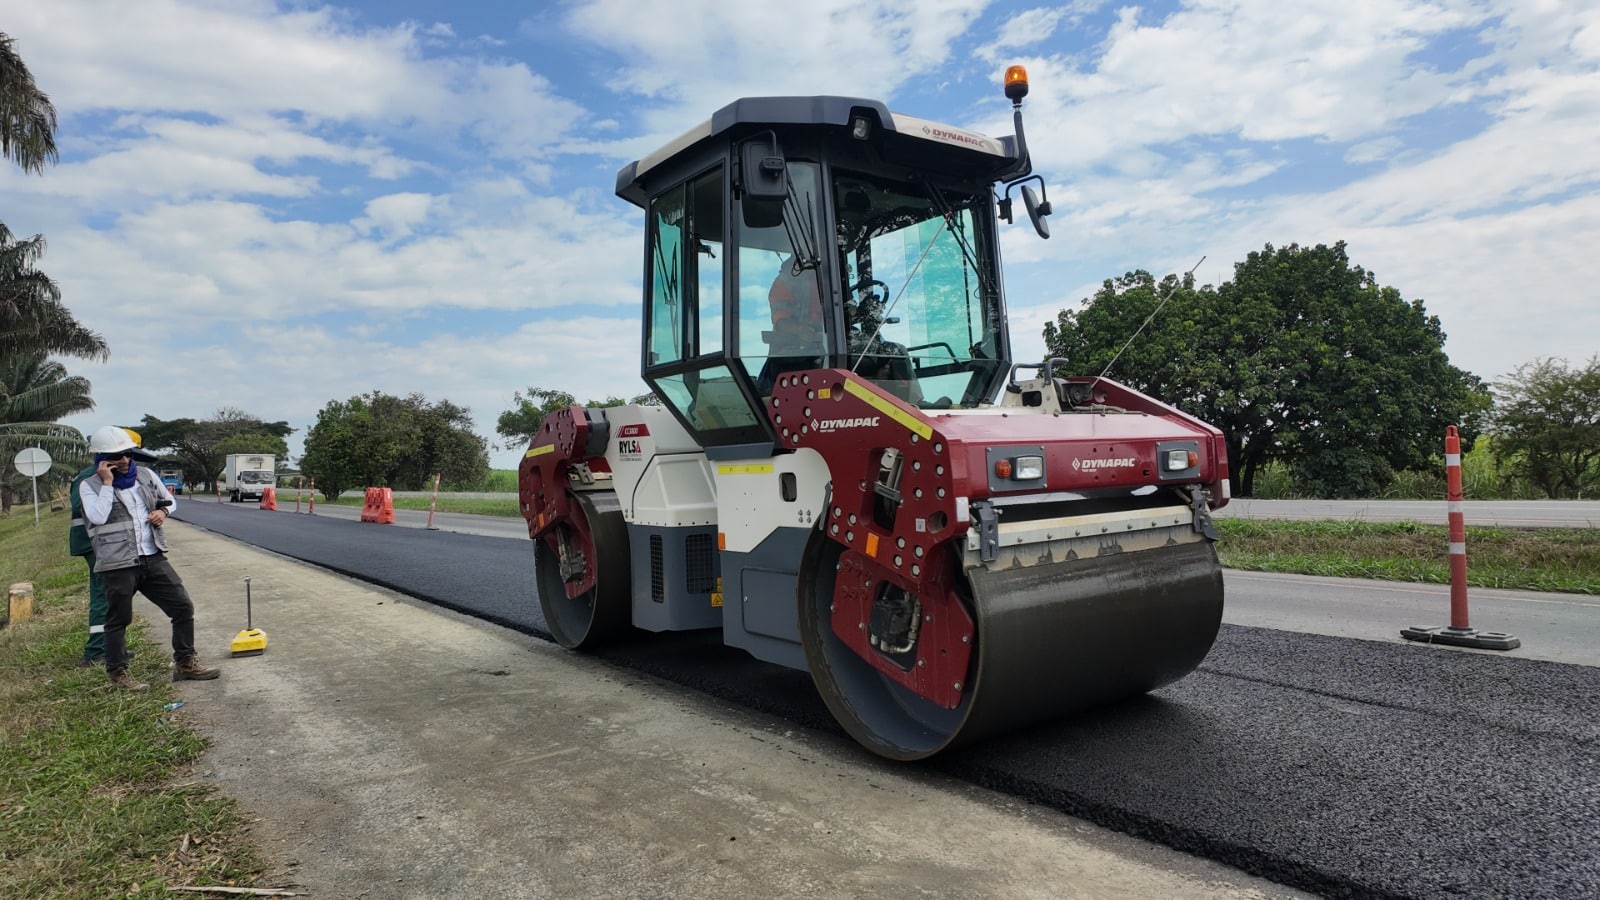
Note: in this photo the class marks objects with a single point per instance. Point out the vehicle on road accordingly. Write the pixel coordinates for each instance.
(172, 477)
(847, 474)
(246, 475)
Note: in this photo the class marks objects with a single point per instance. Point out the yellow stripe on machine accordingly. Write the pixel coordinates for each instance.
(746, 469)
(539, 451)
(913, 424)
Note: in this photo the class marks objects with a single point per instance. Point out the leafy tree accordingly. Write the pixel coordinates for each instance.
(27, 118)
(1302, 357)
(379, 440)
(202, 446)
(35, 391)
(519, 424)
(1547, 420)
(32, 316)
(257, 442)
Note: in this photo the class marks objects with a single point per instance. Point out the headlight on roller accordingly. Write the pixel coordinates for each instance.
(1028, 468)
(1178, 460)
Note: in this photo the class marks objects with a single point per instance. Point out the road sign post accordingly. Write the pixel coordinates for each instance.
(33, 462)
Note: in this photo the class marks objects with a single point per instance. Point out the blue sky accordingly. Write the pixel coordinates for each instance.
(271, 205)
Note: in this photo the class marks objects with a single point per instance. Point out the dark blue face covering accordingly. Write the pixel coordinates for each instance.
(122, 479)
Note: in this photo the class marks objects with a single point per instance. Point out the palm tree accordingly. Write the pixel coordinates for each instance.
(27, 118)
(35, 392)
(31, 314)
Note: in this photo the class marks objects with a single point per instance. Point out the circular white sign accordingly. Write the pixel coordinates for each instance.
(32, 462)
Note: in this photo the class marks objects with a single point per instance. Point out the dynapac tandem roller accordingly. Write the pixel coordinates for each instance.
(846, 473)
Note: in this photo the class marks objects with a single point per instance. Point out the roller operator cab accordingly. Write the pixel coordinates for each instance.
(846, 473)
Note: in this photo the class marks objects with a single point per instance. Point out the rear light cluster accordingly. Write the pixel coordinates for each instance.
(1179, 460)
(1019, 468)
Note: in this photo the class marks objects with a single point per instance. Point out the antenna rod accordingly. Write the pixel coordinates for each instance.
(1147, 321)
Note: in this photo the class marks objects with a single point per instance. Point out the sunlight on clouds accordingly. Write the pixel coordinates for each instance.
(1372, 151)
(1261, 70)
(1031, 27)
(333, 175)
(392, 217)
(694, 56)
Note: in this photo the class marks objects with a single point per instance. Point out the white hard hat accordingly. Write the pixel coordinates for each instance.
(110, 439)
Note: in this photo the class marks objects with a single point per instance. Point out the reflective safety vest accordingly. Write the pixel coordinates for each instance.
(116, 543)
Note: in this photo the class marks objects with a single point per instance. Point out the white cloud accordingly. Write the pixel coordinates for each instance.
(393, 216)
(691, 57)
(332, 183)
(1374, 150)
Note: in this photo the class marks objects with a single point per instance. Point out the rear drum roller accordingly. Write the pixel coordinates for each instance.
(1050, 640)
(600, 543)
(883, 716)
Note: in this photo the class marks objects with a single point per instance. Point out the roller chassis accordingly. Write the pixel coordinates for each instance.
(945, 565)
(905, 604)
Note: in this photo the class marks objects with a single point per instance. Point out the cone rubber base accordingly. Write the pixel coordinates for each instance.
(251, 642)
(1462, 637)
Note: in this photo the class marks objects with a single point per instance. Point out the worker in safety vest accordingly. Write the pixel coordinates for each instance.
(796, 311)
(94, 649)
(124, 508)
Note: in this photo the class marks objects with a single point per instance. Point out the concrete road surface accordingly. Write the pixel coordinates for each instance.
(385, 748)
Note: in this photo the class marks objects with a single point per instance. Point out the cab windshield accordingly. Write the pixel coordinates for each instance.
(921, 302)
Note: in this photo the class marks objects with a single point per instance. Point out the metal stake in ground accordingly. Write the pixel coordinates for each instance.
(1459, 633)
(252, 641)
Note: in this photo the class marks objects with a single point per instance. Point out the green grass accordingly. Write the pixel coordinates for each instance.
(94, 800)
(1534, 559)
(94, 795)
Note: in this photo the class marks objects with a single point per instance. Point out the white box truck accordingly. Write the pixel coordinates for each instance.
(246, 474)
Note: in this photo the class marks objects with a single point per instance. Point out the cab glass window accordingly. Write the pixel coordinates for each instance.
(782, 308)
(686, 240)
(921, 297)
(709, 399)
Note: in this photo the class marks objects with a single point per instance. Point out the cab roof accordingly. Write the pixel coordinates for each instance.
(969, 148)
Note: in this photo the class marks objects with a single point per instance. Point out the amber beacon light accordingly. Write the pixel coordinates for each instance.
(1016, 83)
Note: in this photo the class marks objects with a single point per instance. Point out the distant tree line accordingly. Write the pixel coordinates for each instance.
(380, 440)
(1304, 361)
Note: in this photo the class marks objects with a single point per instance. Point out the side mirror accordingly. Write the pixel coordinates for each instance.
(762, 168)
(764, 181)
(761, 213)
(1037, 210)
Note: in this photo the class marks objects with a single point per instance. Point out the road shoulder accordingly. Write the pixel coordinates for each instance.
(385, 748)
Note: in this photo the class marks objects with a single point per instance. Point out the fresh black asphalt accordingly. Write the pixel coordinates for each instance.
(1341, 767)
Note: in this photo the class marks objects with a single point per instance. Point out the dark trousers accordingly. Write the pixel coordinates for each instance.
(94, 649)
(154, 578)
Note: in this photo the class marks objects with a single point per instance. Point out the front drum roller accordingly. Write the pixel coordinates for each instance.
(597, 543)
(1051, 640)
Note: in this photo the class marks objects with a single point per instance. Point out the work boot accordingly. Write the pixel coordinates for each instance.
(122, 679)
(188, 668)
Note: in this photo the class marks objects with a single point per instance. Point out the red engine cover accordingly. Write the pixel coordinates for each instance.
(904, 478)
